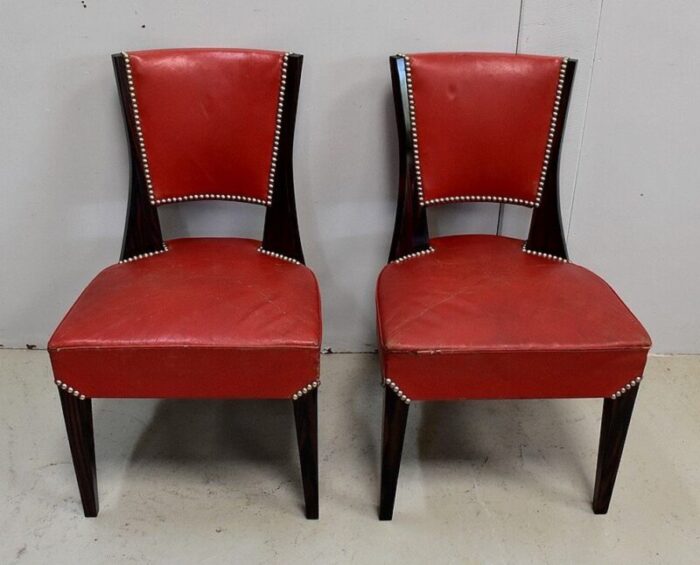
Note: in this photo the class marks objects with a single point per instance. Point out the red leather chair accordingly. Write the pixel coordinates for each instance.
(484, 316)
(199, 317)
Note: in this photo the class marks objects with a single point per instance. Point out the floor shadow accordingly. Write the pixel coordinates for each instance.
(367, 413)
(228, 440)
(499, 435)
(219, 430)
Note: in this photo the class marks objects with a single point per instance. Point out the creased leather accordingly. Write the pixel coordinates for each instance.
(208, 119)
(478, 318)
(211, 317)
(482, 121)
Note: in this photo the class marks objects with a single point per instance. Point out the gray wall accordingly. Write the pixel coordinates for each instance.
(630, 163)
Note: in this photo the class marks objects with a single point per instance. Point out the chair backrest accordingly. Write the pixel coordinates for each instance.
(477, 127)
(210, 124)
(207, 121)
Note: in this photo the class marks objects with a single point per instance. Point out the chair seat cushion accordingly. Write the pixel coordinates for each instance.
(210, 317)
(479, 318)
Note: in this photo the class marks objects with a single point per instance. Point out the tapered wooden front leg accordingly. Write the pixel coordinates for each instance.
(613, 431)
(77, 415)
(306, 417)
(395, 417)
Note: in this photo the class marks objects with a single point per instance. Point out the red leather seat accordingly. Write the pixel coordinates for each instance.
(478, 318)
(484, 316)
(200, 318)
(208, 318)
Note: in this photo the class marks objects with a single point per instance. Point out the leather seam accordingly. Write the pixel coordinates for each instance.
(438, 351)
(176, 345)
(425, 310)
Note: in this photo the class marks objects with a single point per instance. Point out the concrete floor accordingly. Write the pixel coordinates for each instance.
(218, 482)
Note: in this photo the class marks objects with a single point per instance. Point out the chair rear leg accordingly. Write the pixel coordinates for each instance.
(613, 431)
(77, 415)
(306, 418)
(395, 417)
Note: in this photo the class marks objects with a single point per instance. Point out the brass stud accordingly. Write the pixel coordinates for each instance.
(278, 256)
(144, 255)
(624, 389)
(305, 390)
(552, 129)
(544, 255)
(415, 254)
(394, 387)
(69, 389)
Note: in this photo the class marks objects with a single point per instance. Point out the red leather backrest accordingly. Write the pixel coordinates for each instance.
(482, 123)
(208, 121)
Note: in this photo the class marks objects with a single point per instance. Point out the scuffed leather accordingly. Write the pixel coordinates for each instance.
(210, 318)
(482, 121)
(208, 119)
(478, 318)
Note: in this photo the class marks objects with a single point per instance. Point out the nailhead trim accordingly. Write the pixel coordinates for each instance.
(413, 255)
(278, 256)
(624, 389)
(478, 198)
(145, 255)
(209, 196)
(278, 130)
(467, 198)
(139, 130)
(393, 386)
(69, 389)
(308, 388)
(552, 129)
(544, 255)
(414, 131)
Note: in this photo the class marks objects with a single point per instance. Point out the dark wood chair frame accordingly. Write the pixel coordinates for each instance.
(142, 234)
(545, 235)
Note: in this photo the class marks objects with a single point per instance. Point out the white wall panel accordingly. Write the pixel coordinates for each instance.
(637, 202)
(629, 170)
(64, 169)
(566, 28)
